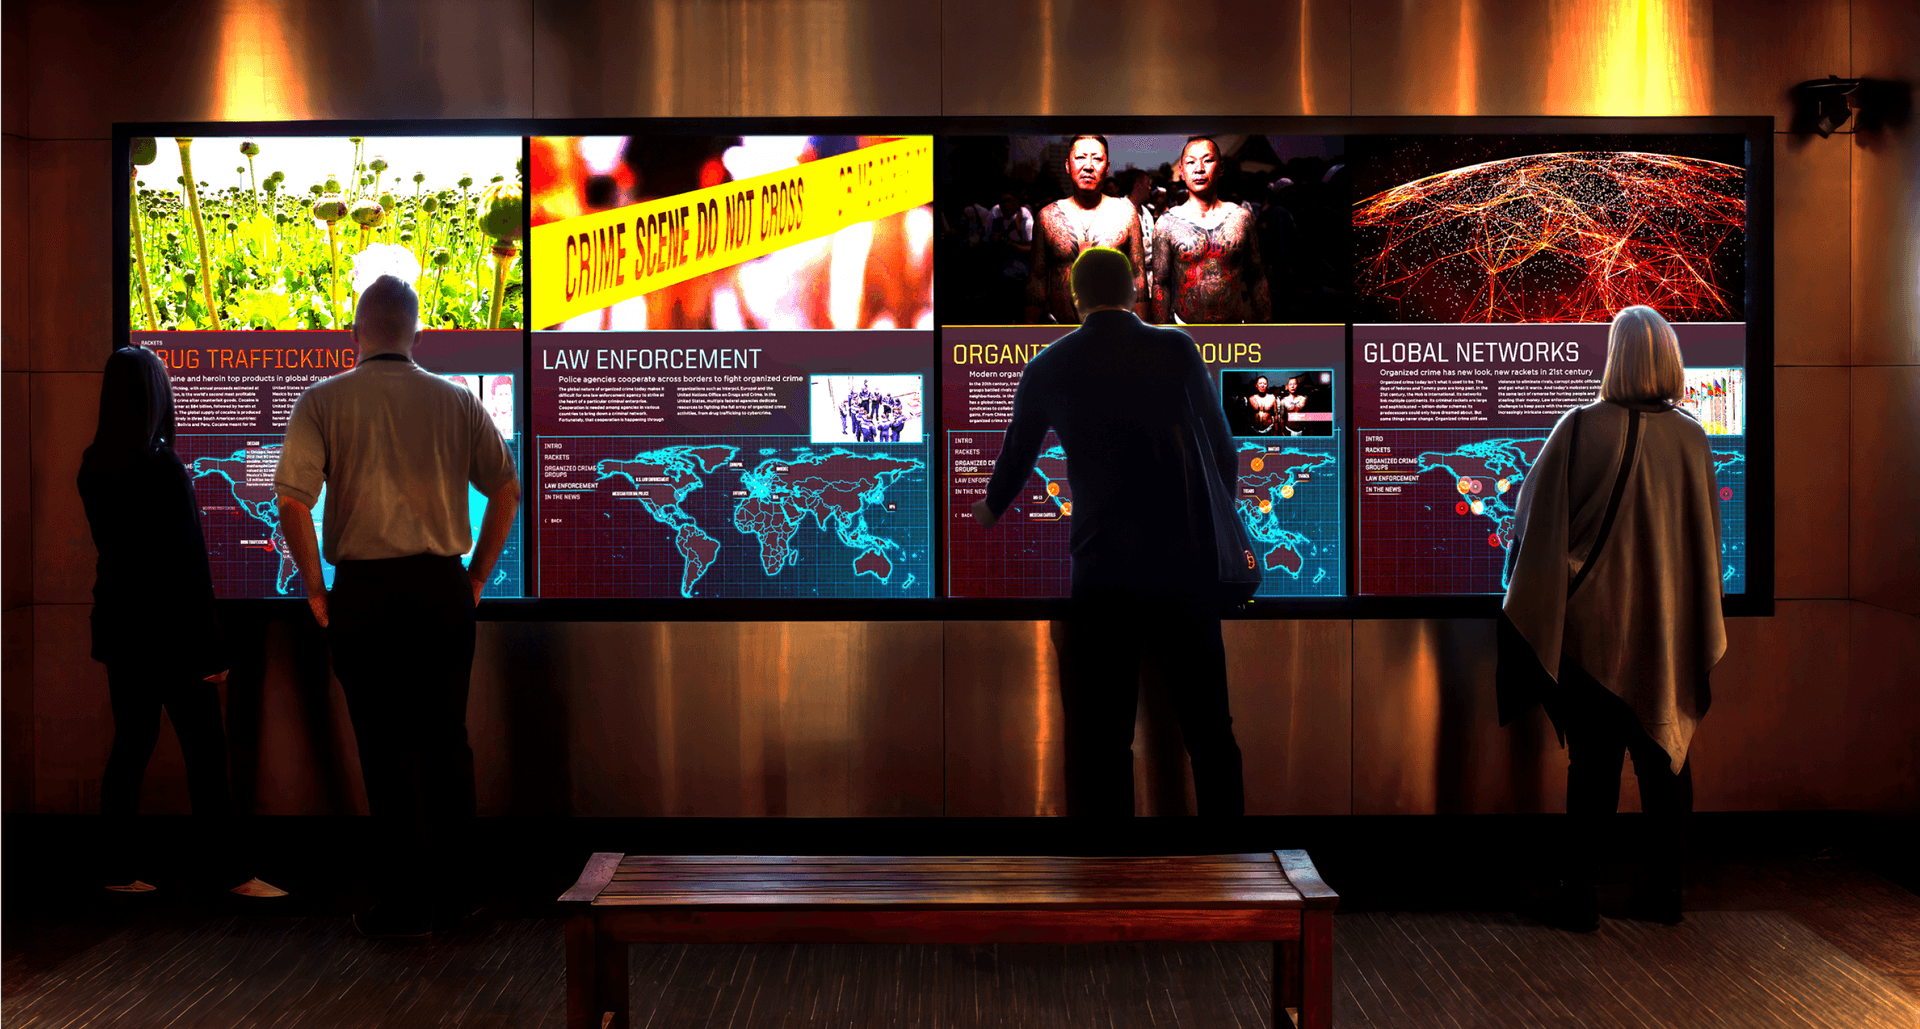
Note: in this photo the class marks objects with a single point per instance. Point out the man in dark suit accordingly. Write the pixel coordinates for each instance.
(1136, 412)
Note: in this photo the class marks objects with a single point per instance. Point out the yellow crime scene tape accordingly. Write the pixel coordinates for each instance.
(587, 263)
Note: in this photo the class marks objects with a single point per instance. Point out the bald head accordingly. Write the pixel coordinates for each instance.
(387, 318)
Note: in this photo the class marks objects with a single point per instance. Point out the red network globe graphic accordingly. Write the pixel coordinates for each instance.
(1570, 237)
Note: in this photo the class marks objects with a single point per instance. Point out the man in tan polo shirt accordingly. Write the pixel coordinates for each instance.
(395, 447)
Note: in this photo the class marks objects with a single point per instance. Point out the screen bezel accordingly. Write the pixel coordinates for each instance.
(1757, 601)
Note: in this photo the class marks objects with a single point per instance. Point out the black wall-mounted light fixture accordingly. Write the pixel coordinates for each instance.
(1874, 105)
(1823, 105)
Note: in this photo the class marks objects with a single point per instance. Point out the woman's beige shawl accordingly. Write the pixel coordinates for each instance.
(1645, 620)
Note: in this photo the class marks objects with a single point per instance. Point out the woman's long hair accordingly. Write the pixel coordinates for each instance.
(136, 410)
(1643, 359)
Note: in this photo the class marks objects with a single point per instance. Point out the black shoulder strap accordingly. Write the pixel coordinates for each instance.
(1613, 502)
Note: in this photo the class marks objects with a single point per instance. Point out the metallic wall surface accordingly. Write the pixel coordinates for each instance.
(697, 58)
(1813, 707)
(1100, 57)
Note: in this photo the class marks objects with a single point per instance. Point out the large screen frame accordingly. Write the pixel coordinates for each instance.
(1757, 601)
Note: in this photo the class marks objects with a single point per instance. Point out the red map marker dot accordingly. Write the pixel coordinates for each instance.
(1726, 493)
(1460, 508)
(1473, 485)
(1493, 540)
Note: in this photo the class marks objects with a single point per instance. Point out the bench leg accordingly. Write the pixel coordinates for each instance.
(1286, 980)
(583, 1004)
(610, 982)
(1316, 969)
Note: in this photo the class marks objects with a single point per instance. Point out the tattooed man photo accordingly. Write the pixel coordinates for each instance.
(1087, 218)
(1206, 255)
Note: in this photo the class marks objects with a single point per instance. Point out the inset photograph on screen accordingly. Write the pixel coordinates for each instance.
(866, 408)
(737, 334)
(1242, 241)
(1487, 271)
(245, 256)
(1278, 401)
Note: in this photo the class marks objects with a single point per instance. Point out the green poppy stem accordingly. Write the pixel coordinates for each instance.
(140, 258)
(333, 283)
(503, 255)
(199, 229)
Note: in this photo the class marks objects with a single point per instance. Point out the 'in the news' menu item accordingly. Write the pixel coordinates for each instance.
(1452, 417)
(232, 395)
(768, 464)
(1284, 403)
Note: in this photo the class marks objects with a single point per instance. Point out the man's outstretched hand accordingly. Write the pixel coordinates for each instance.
(984, 514)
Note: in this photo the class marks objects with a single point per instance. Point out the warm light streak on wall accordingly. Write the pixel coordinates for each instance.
(1466, 68)
(1046, 56)
(1045, 738)
(1629, 57)
(666, 63)
(256, 76)
(1308, 103)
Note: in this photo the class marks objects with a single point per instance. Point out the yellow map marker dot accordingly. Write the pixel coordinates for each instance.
(1286, 492)
(1477, 506)
(1266, 506)
(1257, 463)
(1502, 485)
(1463, 485)
(1066, 507)
(1053, 489)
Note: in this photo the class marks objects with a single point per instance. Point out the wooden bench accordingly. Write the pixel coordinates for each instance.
(623, 899)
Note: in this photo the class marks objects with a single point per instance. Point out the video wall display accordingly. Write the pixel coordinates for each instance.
(243, 259)
(718, 362)
(1241, 241)
(1486, 271)
(734, 366)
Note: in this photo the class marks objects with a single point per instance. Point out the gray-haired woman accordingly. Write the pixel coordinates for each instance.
(1612, 614)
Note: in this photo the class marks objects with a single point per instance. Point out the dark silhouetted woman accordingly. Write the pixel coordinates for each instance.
(1612, 614)
(154, 625)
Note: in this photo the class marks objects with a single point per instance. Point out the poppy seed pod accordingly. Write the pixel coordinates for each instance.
(498, 178)
(430, 203)
(330, 208)
(315, 189)
(500, 210)
(465, 181)
(356, 140)
(408, 226)
(367, 212)
(233, 226)
(332, 185)
(387, 201)
(406, 236)
(189, 279)
(250, 148)
(280, 218)
(441, 257)
(145, 149)
(379, 164)
(419, 176)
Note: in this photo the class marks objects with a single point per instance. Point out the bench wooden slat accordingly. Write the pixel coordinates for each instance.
(947, 926)
(594, 878)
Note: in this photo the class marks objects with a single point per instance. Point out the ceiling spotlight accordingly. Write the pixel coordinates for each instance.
(1823, 105)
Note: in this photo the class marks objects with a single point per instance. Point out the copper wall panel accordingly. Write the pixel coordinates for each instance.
(72, 718)
(1426, 738)
(1886, 193)
(69, 279)
(1146, 57)
(1776, 737)
(736, 57)
(1884, 498)
(1762, 47)
(17, 743)
(1812, 250)
(1003, 720)
(1291, 686)
(236, 60)
(1450, 57)
(704, 718)
(13, 70)
(16, 479)
(1883, 718)
(290, 739)
(1810, 478)
(894, 766)
(15, 210)
(62, 408)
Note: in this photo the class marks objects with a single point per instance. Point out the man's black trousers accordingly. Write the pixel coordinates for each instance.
(401, 631)
(1109, 633)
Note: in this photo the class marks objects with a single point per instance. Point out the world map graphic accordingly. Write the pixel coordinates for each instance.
(1451, 530)
(240, 515)
(720, 501)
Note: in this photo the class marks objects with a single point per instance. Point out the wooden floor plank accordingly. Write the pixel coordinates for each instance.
(1735, 969)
